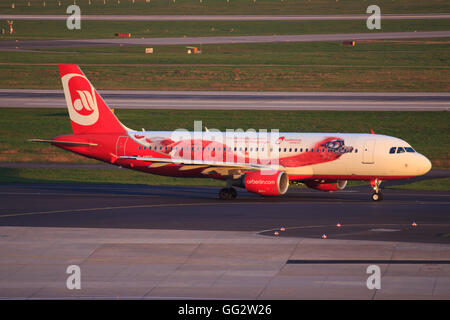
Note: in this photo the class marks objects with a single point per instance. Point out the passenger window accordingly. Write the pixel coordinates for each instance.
(284, 149)
(400, 150)
(409, 149)
(392, 150)
(295, 150)
(356, 150)
(290, 149)
(139, 147)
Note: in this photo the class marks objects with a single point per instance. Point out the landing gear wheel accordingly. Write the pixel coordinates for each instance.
(227, 193)
(377, 196)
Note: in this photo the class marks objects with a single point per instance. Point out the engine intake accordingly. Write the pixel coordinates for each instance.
(272, 183)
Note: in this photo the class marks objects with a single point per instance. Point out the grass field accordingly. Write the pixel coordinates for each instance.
(122, 176)
(419, 65)
(36, 30)
(430, 185)
(170, 7)
(423, 130)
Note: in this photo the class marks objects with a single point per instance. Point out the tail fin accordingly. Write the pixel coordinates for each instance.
(87, 110)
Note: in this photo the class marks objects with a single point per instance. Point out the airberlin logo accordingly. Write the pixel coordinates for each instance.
(85, 105)
(253, 181)
(81, 99)
(280, 140)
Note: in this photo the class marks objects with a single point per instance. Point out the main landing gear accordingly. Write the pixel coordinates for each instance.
(228, 193)
(377, 195)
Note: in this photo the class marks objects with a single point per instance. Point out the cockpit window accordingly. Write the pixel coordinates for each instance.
(409, 149)
(400, 150)
(392, 150)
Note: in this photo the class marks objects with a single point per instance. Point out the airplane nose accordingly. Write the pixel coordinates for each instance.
(424, 165)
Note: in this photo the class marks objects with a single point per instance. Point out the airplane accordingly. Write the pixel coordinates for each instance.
(260, 162)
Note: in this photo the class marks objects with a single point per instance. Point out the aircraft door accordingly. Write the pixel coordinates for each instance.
(121, 145)
(369, 152)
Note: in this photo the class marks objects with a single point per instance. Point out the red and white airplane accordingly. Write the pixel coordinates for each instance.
(260, 162)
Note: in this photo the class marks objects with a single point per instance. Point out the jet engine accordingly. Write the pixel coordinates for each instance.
(327, 185)
(272, 183)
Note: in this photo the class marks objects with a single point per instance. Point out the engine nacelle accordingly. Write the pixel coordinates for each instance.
(327, 185)
(268, 184)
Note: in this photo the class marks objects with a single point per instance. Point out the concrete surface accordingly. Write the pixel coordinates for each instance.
(232, 100)
(155, 264)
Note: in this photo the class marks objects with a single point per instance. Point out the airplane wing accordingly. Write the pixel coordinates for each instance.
(221, 167)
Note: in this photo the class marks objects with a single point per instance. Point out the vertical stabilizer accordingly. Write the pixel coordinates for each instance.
(87, 110)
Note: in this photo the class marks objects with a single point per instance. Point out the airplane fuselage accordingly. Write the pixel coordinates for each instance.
(340, 156)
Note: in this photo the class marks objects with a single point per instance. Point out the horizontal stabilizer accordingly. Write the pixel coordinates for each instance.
(68, 143)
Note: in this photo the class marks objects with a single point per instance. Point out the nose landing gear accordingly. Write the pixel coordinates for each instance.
(377, 195)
